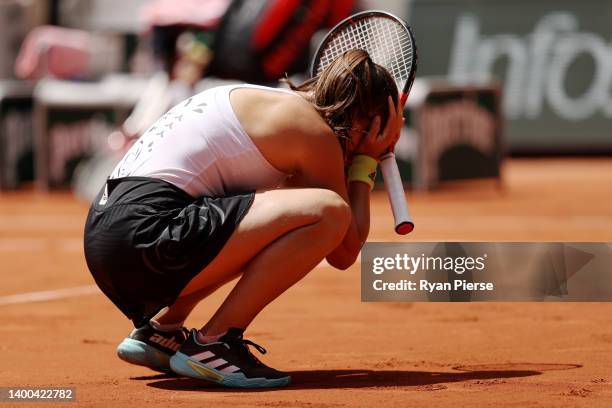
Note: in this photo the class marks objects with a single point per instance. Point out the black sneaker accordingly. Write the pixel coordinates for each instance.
(151, 348)
(228, 361)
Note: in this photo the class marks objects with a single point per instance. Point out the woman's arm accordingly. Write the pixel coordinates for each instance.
(346, 253)
(374, 144)
(320, 164)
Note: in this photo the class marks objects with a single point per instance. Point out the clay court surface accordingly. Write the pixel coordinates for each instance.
(341, 352)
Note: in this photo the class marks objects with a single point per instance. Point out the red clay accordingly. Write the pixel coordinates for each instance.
(340, 351)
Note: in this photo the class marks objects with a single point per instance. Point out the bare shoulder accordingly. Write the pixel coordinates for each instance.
(267, 112)
(319, 157)
(311, 135)
(286, 128)
(296, 115)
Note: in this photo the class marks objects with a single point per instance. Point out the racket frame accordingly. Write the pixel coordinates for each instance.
(388, 163)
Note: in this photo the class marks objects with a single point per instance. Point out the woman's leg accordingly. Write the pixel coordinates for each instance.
(285, 234)
(182, 307)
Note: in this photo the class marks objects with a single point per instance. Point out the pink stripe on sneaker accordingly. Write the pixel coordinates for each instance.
(202, 356)
(230, 369)
(216, 363)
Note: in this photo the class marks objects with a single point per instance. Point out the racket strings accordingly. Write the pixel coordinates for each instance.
(386, 41)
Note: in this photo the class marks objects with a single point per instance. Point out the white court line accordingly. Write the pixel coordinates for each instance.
(42, 222)
(45, 295)
(21, 244)
(65, 293)
(41, 244)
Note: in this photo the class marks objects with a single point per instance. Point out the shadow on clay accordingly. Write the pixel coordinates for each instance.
(330, 379)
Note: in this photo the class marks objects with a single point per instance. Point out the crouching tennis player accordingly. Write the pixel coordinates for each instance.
(240, 180)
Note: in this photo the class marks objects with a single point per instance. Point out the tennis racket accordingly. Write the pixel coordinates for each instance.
(390, 43)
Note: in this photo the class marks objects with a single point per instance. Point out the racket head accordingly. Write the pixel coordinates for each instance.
(387, 39)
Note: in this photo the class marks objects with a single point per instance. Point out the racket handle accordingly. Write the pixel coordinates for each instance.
(397, 197)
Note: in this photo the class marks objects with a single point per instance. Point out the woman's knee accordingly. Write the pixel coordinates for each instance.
(333, 206)
(299, 207)
(335, 213)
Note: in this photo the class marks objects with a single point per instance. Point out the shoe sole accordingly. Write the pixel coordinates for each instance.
(183, 365)
(140, 353)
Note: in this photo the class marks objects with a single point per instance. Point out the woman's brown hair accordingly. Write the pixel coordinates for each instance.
(350, 86)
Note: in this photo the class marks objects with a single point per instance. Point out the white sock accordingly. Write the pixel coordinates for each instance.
(165, 327)
(209, 339)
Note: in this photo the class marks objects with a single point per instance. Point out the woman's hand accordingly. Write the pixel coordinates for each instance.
(376, 143)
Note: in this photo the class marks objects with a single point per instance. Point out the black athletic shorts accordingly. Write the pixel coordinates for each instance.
(145, 239)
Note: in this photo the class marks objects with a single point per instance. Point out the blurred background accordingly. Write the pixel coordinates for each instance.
(80, 80)
(507, 138)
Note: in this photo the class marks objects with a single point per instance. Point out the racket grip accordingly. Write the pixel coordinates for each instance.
(397, 197)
